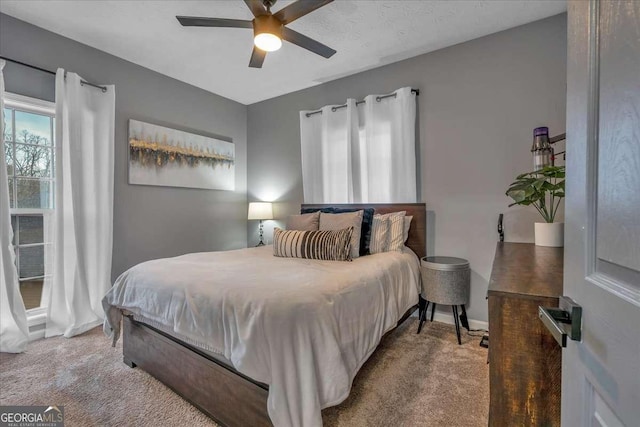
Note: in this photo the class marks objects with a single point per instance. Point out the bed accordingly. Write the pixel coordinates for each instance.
(306, 329)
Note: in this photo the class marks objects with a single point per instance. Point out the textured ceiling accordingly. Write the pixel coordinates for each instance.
(366, 34)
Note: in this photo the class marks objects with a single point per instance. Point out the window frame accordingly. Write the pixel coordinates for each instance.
(28, 104)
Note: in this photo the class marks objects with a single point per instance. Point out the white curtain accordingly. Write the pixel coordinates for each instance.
(361, 153)
(14, 332)
(83, 218)
(327, 144)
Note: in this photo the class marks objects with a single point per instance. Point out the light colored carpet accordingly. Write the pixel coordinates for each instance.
(419, 380)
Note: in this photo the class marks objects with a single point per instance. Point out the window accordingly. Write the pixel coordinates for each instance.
(29, 154)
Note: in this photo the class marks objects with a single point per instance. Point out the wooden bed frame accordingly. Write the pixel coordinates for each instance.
(218, 390)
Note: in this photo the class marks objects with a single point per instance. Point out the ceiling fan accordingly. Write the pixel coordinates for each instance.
(269, 29)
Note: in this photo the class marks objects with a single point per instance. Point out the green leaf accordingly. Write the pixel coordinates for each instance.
(537, 188)
(517, 195)
(539, 184)
(552, 171)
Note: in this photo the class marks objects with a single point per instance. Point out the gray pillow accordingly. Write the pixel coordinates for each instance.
(304, 222)
(340, 221)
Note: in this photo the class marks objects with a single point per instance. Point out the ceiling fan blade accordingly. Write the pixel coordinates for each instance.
(310, 44)
(299, 9)
(257, 58)
(194, 21)
(256, 6)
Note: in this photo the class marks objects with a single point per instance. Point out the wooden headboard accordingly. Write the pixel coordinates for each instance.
(417, 233)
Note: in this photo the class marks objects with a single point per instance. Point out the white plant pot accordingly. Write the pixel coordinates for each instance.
(550, 234)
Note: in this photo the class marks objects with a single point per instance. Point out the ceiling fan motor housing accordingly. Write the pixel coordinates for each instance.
(267, 24)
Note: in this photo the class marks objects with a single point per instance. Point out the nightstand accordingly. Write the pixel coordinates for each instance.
(446, 281)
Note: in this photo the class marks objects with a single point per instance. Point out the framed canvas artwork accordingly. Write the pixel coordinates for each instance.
(168, 157)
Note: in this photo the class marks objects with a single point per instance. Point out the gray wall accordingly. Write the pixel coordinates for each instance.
(479, 102)
(149, 222)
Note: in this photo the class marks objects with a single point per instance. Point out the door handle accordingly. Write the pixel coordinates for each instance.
(566, 320)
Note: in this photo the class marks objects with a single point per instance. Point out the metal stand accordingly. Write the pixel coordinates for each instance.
(260, 243)
(423, 316)
(464, 320)
(456, 318)
(457, 322)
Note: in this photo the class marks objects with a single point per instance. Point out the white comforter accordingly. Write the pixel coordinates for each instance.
(303, 327)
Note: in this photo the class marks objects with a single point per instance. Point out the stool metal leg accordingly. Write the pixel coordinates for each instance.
(457, 322)
(423, 317)
(464, 320)
(421, 304)
(433, 310)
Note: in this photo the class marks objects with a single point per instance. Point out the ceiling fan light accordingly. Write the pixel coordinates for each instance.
(267, 42)
(267, 31)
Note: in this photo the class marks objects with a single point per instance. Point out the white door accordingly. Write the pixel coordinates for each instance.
(601, 374)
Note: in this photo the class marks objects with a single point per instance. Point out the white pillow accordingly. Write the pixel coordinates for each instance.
(407, 225)
(396, 231)
(340, 221)
(379, 234)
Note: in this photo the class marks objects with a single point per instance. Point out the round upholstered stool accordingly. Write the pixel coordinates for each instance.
(446, 281)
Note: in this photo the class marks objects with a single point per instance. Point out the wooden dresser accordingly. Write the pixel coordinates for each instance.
(524, 359)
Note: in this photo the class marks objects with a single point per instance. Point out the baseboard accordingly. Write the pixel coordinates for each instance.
(448, 318)
(36, 335)
(37, 322)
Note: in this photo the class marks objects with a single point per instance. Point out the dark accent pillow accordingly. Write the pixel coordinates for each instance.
(367, 221)
(328, 245)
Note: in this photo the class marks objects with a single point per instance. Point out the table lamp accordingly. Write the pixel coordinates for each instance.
(260, 211)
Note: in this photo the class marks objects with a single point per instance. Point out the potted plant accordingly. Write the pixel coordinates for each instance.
(544, 190)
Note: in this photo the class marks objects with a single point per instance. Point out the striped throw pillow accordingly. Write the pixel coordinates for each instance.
(387, 232)
(396, 231)
(407, 226)
(330, 245)
(379, 234)
(341, 221)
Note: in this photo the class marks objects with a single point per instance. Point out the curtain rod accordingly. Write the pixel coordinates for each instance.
(44, 70)
(378, 99)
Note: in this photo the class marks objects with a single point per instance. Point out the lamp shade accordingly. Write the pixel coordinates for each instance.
(260, 210)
